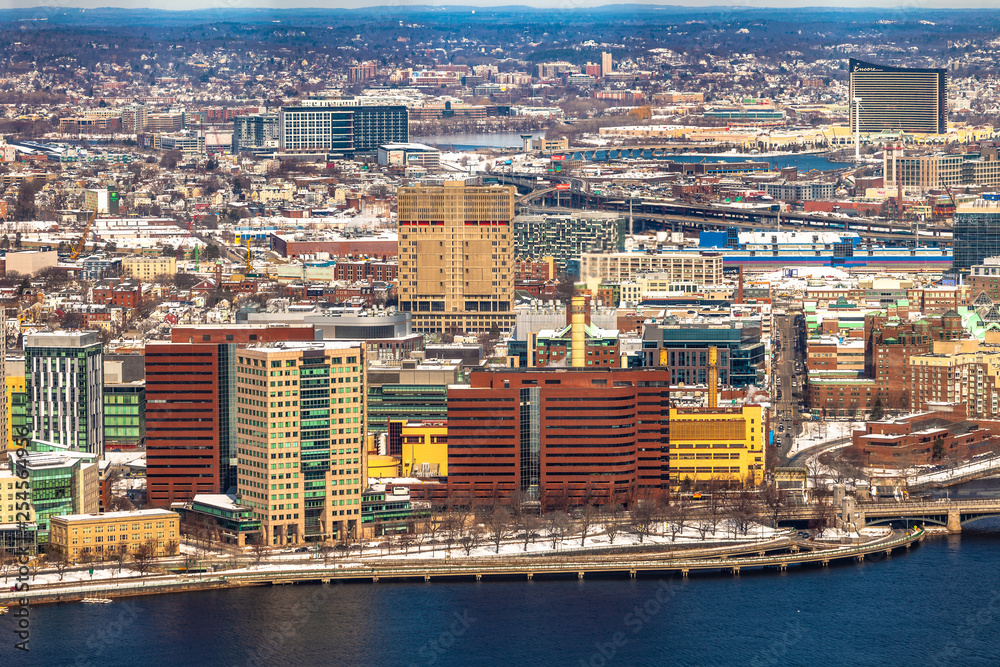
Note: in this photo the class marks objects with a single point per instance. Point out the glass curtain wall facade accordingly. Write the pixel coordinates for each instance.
(976, 234)
(400, 402)
(124, 415)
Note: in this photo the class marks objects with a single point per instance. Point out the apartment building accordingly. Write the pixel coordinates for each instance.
(702, 268)
(146, 269)
(64, 372)
(456, 257)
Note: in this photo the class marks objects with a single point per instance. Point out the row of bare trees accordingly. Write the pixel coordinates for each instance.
(140, 558)
(467, 522)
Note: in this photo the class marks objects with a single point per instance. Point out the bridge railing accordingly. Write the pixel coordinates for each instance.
(941, 505)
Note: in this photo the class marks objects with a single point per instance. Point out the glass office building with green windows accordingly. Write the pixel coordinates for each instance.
(124, 415)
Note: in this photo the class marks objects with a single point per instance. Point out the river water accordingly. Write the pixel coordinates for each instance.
(937, 604)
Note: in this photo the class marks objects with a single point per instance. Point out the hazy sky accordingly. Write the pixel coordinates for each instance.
(567, 4)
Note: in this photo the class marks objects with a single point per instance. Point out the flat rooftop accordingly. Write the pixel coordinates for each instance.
(113, 516)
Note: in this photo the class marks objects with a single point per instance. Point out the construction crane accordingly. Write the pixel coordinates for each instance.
(82, 243)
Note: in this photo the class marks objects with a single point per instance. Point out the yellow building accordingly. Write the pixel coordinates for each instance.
(147, 269)
(103, 535)
(722, 444)
(10, 486)
(382, 466)
(16, 384)
(456, 257)
(424, 447)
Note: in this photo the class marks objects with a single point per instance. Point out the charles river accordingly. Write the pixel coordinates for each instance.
(937, 604)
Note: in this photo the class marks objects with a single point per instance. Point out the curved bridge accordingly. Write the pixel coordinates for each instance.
(952, 514)
(949, 513)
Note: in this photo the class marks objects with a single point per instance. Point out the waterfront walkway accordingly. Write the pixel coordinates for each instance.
(486, 568)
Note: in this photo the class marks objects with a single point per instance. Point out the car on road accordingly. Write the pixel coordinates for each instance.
(302, 550)
(781, 427)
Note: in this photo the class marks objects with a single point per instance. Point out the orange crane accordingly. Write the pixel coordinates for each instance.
(82, 243)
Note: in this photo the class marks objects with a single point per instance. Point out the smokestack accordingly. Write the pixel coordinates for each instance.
(713, 377)
(578, 353)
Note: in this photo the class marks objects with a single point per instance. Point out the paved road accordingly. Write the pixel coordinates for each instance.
(787, 384)
(802, 456)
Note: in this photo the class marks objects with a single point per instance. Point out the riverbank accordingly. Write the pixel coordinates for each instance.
(778, 555)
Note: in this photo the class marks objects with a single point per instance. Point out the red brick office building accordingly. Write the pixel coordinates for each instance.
(560, 432)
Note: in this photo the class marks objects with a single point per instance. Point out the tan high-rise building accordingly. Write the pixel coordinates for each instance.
(300, 438)
(456, 257)
(605, 64)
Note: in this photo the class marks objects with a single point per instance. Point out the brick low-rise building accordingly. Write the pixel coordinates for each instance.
(924, 438)
(100, 536)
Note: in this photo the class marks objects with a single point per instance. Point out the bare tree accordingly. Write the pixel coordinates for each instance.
(259, 550)
(611, 520)
(432, 523)
(461, 506)
(643, 517)
(714, 505)
(498, 526)
(774, 500)
(172, 547)
(86, 556)
(588, 517)
(741, 510)
(676, 515)
(471, 539)
(528, 527)
(7, 560)
(825, 516)
(59, 559)
(142, 557)
(120, 555)
(325, 550)
(556, 524)
(703, 527)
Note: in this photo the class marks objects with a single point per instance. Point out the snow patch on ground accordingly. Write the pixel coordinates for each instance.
(817, 432)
